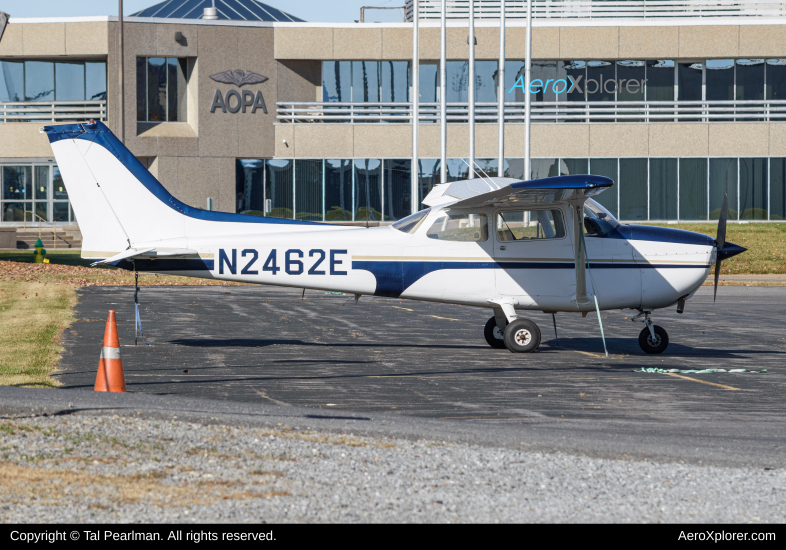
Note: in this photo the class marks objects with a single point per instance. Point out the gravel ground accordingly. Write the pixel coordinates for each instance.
(113, 469)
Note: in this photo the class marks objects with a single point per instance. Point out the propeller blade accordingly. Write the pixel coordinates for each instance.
(720, 240)
(717, 274)
(724, 213)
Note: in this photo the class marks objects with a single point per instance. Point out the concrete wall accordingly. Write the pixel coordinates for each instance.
(548, 140)
(607, 43)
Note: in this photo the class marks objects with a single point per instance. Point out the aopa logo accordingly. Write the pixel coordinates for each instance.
(247, 99)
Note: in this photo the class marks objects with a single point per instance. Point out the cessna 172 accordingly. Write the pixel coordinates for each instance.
(499, 243)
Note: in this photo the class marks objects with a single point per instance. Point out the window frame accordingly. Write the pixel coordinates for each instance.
(147, 89)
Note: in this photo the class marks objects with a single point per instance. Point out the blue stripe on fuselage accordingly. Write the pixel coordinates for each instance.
(394, 277)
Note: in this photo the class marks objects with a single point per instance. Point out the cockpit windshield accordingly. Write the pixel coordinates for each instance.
(597, 220)
(411, 223)
(594, 210)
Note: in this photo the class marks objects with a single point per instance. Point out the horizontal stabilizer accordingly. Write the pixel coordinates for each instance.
(149, 254)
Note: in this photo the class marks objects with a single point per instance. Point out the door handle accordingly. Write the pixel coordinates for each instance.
(502, 247)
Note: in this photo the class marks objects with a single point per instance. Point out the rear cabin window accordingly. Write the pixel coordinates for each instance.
(460, 227)
(411, 223)
(528, 225)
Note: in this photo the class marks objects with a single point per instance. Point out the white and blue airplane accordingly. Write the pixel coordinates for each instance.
(500, 243)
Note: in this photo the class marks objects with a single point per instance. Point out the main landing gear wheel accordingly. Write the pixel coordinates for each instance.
(494, 335)
(522, 336)
(658, 345)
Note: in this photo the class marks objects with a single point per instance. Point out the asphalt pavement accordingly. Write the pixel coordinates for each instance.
(412, 368)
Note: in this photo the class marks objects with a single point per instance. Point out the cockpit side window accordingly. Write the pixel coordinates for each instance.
(410, 224)
(460, 227)
(527, 225)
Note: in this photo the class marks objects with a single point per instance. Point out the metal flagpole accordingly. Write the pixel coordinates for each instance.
(414, 170)
(501, 88)
(121, 130)
(527, 95)
(443, 117)
(471, 88)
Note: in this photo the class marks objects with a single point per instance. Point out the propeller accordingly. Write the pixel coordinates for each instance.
(720, 241)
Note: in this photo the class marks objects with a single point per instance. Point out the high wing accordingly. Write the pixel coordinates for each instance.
(508, 191)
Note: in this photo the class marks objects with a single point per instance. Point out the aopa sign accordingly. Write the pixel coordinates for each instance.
(235, 100)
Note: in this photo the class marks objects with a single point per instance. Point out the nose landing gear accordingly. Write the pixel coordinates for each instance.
(653, 338)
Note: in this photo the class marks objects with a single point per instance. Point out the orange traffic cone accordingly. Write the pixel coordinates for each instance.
(110, 375)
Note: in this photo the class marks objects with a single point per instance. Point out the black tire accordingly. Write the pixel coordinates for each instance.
(661, 343)
(494, 336)
(522, 336)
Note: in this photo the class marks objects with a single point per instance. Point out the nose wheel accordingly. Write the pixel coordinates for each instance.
(652, 338)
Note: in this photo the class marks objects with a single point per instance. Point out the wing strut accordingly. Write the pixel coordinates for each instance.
(581, 256)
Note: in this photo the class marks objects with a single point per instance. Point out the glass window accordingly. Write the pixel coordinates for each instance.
(778, 189)
(544, 168)
(60, 211)
(176, 75)
(720, 79)
(578, 166)
(550, 91)
(395, 81)
(428, 82)
(338, 190)
(577, 70)
(608, 168)
(12, 81)
(776, 79)
(15, 211)
(633, 189)
(337, 81)
(663, 189)
(398, 188)
(485, 81)
(308, 190)
(95, 80)
(69, 81)
(594, 209)
(411, 223)
(693, 189)
(42, 183)
(39, 81)
(365, 81)
(458, 169)
(41, 211)
(524, 225)
(459, 227)
(689, 81)
(368, 189)
(428, 177)
(156, 89)
(58, 186)
(660, 80)
(750, 79)
(631, 80)
(753, 189)
(723, 179)
(482, 168)
(278, 188)
(249, 187)
(601, 81)
(456, 80)
(17, 182)
(141, 89)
